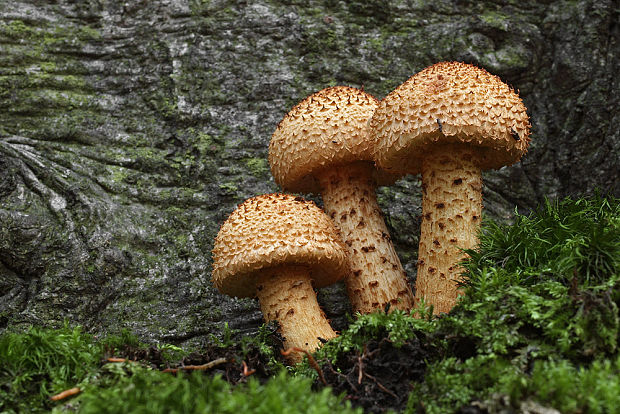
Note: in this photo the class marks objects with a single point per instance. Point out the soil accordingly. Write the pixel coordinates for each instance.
(235, 363)
(378, 379)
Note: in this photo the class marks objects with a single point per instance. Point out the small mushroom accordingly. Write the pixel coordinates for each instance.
(449, 122)
(322, 145)
(276, 247)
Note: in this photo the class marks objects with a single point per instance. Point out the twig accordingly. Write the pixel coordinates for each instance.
(247, 372)
(346, 378)
(114, 359)
(204, 367)
(311, 361)
(381, 385)
(65, 394)
(359, 366)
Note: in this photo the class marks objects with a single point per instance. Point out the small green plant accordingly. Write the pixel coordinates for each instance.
(570, 389)
(41, 362)
(539, 319)
(148, 391)
(398, 326)
(267, 342)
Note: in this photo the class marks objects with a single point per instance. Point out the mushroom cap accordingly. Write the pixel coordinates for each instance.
(273, 230)
(452, 103)
(327, 128)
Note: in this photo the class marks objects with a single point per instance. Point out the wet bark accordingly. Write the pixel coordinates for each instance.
(130, 130)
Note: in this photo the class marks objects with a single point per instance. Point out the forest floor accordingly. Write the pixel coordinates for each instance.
(537, 330)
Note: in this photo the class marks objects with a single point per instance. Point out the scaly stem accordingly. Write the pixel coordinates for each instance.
(377, 276)
(285, 294)
(451, 208)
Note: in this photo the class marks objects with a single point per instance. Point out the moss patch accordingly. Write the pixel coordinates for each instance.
(538, 326)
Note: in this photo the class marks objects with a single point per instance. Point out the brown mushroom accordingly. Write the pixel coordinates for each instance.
(449, 122)
(275, 247)
(322, 145)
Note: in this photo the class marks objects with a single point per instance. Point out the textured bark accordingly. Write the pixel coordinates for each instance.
(377, 277)
(130, 130)
(285, 294)
(451, 216)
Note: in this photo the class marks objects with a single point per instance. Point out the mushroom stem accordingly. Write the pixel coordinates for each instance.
(285, 294)
(377, 276)
(451, 208)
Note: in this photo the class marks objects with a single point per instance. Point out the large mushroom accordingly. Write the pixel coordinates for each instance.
(277, 247)
(449, 122)
(322, 145)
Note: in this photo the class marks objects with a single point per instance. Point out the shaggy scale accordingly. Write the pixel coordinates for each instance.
(285, 294)
(449, 122)
(276, 247)
(451, 205)
(377, 277)
(323, 145)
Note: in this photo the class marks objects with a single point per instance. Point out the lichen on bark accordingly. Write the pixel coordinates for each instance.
(129, 131)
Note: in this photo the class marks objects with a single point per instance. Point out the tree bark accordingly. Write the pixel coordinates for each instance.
(130, 130)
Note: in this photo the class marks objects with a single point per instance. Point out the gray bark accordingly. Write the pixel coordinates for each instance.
(130, 130)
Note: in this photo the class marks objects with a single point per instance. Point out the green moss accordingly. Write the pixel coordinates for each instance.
(397, 326)
(118, 174)
(543, 292)
(38, 77)
(17, 29)
(539, 320)
(495, 19)
(229, 188)
(143, 390)
(258, 167)
(38, 363)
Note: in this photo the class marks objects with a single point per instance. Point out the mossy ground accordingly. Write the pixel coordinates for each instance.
(537, 328)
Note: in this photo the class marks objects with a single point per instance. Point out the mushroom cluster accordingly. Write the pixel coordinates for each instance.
(322, 145)
(448, 122)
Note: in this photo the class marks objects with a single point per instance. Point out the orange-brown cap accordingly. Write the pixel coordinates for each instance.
(273, 230)
(450, 102)
(327, 128)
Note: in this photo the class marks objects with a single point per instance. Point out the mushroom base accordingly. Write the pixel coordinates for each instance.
(451, 209)
(377, 277)
(285, 294)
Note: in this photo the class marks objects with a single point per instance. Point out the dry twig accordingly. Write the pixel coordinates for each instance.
(380, 385)
(247, 372)
(311, 361)
(204, 367)
(65, 394)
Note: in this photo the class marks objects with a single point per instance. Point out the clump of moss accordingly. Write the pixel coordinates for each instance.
(150, 391)
(541, 297)
(538, 325)
(41, 362)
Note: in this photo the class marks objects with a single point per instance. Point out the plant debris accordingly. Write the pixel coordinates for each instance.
(378, 378)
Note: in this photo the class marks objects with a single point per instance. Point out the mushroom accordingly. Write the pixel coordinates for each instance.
(275, 247)
(322, 145)
(449, 122)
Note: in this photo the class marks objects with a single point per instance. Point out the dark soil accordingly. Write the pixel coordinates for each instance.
(379, 378)
(241, 361)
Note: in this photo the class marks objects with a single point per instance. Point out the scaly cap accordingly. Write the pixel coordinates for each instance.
(327, 128)
(450, 102)
(273, 230)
